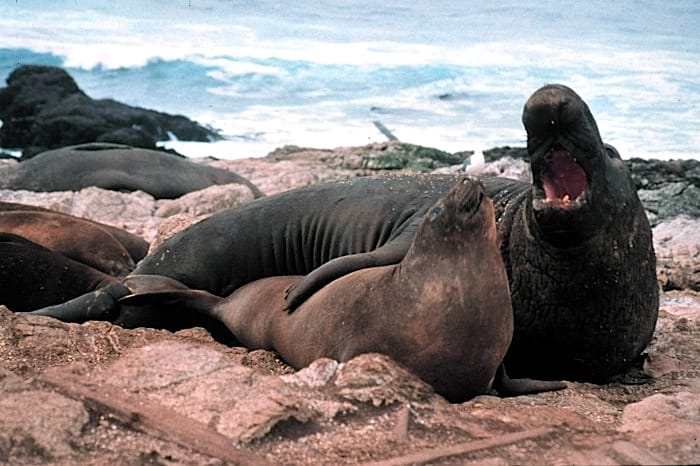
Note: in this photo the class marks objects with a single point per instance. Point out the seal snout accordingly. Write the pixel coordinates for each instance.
(467, 195)
(550, 110)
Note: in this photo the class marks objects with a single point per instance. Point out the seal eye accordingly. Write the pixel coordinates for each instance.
(435, 213)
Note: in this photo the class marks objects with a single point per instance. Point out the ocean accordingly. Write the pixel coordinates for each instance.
(319, 73)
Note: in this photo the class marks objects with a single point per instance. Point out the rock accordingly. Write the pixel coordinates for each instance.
(516, 169)
(43, 108)
(39, 424)
(651, 173)
(134, 137)
(666, 201)
(677, 247)
(245, 404)
(392, 155)
(515, 153)
(367, 409)
(377, 379)
(645, 415)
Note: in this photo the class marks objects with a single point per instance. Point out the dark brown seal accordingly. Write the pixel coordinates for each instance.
(78, 239)
(451, 329)
(569, 242)
(33, 277)
(134, 244)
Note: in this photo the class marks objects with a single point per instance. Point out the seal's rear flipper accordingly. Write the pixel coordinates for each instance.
(505, 386)
(96, 305)
(390, 253)
(162, 302)
(150, 290)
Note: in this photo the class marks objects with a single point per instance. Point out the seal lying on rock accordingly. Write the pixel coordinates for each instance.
(576, 245)
(451, 329)
(136, 246)
(33, 277)
(116, 167)
(73, 237)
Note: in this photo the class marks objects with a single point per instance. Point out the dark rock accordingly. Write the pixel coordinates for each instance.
(401, 155)
(43, 108)
(134, 137)
(651, 173)
(667, 201)
(497, 153)
(390, 155)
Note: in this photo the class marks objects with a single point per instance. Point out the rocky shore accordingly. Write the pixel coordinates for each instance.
(43, 108)
(96, 393)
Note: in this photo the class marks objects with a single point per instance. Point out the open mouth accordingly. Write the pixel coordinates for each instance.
(563, 180)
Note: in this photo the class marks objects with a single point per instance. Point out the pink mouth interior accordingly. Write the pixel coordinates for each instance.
(564, 179)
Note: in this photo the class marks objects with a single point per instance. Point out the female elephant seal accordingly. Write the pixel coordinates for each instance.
(32, 276)
(76, 238)
(451, 329)
(576, 245)
(136, 246)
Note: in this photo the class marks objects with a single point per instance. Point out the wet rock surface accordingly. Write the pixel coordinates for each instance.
(103, 394)
(43, 108)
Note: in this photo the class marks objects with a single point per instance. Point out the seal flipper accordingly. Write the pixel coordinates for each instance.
(391, 253)
(162, 302)
(148, 290)
(505, 386)
(97, 305)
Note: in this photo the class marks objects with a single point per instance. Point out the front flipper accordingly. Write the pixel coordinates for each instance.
(97, 305)
(391, 253)
(505, 386)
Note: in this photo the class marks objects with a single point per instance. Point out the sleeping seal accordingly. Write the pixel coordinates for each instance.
(117, 167)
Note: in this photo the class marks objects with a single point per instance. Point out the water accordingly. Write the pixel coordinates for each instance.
(269, 73)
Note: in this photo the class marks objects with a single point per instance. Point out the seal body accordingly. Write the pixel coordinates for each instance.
(569, 242)
(136, 246)
(116, 167)
(451, 329)
(73, 237)
(33, 277)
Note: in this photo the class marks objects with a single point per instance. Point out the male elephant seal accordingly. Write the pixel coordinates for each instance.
(576, 245)
(451, 329)
(116, 167)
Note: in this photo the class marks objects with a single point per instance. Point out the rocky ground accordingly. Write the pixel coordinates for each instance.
(100, 394)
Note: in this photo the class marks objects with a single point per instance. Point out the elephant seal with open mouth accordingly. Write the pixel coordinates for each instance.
(576, 245)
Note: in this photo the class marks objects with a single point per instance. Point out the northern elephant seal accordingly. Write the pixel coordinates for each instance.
(134, 244)
(116, 167)
(451, 329)
(569, 242)
(78, 239)
(33, 277)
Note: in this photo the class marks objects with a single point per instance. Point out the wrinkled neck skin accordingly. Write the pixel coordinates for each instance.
(583, 284)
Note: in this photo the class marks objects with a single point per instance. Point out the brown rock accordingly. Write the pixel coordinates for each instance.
(36, 424)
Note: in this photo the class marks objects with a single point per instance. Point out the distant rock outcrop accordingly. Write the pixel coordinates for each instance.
(43, 108)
